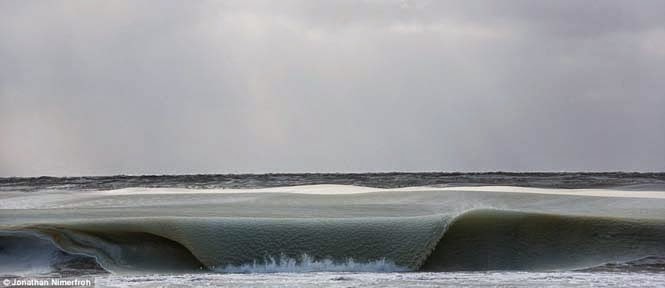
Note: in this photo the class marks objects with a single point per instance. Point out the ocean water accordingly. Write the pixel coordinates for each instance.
(393, 280)
(338, 230)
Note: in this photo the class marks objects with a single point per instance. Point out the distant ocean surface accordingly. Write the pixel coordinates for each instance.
(379, 180)
(338, 230)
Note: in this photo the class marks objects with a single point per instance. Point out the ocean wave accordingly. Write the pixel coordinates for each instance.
(512, 240)
(28, 253)
(475, 240)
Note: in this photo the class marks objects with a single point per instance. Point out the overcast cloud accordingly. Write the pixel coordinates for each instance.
(153, 87)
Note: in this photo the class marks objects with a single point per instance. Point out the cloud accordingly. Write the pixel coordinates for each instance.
(133, 87)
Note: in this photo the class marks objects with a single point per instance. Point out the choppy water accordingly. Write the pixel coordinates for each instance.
(381, 180)
(562, 229)
(394, 280)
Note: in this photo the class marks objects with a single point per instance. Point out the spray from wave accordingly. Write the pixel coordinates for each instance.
(306, 263)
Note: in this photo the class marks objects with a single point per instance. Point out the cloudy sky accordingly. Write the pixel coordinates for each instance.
(153, 87)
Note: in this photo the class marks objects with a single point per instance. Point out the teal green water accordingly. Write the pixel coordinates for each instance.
(430, 229)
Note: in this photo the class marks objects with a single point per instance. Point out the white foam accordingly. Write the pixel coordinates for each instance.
(330, 189)
(285, 264)
(571, 192)
(322, 189)
(390, 280)
(106, 198)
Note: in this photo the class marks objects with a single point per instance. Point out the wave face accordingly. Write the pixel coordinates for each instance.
(508, 240)
(474, 241)
(191, 244)
(418, 229)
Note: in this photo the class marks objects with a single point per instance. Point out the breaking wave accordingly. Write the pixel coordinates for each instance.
(27, 253)
(285, 264)
(476, 240)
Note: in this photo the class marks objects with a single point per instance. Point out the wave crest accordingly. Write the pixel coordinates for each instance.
(476, 240)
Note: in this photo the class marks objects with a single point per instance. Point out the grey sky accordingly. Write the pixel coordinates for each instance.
(136, 87)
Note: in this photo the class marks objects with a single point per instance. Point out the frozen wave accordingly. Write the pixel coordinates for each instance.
(423, 228)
